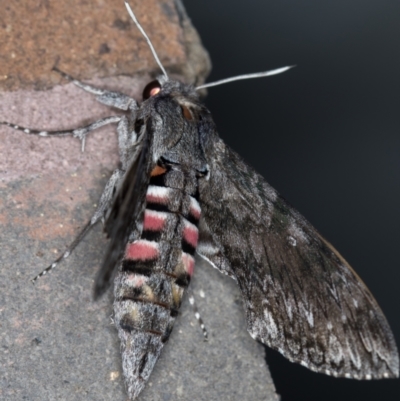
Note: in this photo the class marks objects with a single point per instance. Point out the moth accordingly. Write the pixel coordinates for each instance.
(180, 191)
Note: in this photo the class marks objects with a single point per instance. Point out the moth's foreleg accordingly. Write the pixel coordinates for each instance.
(109, 98)
(107, 196)
(79, 133)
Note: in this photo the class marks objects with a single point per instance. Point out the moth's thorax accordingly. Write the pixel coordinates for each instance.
(157, 269)
(174, 119)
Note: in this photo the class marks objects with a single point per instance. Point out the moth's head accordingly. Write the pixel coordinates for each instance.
(168, 87)
(164, 88)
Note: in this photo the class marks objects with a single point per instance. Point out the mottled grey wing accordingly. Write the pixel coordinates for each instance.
(301, 297)
(125, 212)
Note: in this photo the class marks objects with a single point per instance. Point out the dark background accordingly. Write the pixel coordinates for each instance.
(325, 134)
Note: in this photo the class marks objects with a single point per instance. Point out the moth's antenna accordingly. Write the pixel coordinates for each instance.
(246, 76)
(128, 7)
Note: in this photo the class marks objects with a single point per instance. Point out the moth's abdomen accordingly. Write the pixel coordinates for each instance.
(154, 274)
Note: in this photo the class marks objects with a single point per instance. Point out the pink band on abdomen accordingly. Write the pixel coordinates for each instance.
(142, 250)
(156, 194)
(153, 220)
(136, 280)
(188, 262)
(191, 234)
(195, 210)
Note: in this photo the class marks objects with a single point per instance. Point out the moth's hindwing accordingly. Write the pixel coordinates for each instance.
(301, 297)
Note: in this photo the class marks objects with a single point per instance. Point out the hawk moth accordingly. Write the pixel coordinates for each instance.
(181, 190)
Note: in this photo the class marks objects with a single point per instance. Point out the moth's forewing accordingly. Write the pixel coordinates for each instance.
(126, 213)
(301, 297)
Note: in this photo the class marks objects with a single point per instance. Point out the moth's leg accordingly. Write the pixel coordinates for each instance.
(68, 252)
(107, 196)
(109, 98)
(198, 317)
(79, 133)
(99, 214)
(127, 140)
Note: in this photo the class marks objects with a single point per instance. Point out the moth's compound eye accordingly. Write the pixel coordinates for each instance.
(151, 89)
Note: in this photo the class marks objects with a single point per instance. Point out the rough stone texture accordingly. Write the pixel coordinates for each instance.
(55, 342)
(94, 38)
